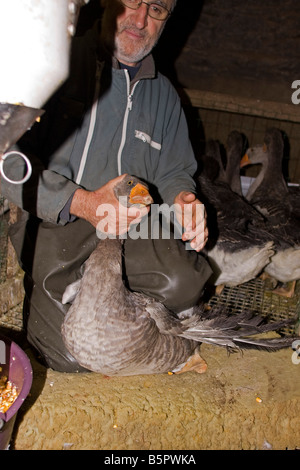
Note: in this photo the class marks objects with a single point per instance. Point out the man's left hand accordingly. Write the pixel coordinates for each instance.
(191, 214)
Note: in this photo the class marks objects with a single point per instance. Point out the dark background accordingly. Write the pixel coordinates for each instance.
(250, 48)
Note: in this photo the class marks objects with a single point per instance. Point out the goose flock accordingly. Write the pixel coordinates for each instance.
(239, 245)
(256, 233)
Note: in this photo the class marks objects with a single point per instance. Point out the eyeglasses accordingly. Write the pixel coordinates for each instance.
(155, 10)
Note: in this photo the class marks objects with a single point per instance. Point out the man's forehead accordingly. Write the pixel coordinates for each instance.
(169, 4)
(165, 3)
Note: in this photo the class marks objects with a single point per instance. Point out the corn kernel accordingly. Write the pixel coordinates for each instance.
(8, 395)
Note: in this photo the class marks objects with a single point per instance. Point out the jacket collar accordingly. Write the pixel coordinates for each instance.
(146, 71)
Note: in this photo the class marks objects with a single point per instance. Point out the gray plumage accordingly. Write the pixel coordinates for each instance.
(114, 331)
(234, 153)
(229, 161)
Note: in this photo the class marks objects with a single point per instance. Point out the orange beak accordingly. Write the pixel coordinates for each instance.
(140, 195)
(245, 161)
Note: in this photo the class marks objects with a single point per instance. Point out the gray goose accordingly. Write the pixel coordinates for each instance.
(234, 153)
(228, 171)
(114, 331)
(280, 205)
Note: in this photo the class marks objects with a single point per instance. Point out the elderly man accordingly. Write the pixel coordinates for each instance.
(116, 114)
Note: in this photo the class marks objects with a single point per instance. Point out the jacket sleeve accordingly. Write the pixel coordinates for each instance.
(177, 160)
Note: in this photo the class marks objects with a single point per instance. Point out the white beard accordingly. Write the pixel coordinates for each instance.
(128, 50)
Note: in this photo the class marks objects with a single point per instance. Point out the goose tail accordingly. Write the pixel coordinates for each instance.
(246, 330)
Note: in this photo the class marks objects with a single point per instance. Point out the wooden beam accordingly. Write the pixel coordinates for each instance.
(240, 105)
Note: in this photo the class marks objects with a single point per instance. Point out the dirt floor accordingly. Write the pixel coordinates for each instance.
(249, 401)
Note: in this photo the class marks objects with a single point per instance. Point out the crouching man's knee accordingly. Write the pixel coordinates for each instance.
(166, 271)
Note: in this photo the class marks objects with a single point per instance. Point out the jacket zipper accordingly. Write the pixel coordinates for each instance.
(125, 120)
(91, 125)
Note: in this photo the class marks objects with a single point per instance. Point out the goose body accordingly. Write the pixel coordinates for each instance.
(111, 330)
(280, 206)
(114, 331)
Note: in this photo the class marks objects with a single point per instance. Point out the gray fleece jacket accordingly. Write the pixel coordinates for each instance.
(100, 125)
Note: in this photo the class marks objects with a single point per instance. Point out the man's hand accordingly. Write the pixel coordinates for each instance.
(102, 209)
(191, 214)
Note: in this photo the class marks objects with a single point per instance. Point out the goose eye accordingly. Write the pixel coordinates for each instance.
(130, 183)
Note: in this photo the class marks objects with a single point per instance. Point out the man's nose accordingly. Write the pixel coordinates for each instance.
(141, 16)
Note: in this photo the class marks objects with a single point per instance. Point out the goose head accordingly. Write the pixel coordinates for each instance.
(254, 155)
(132, 191)
(271, 150)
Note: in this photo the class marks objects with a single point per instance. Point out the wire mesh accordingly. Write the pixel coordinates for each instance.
(217, 125)
(215, 115)
(256, 296)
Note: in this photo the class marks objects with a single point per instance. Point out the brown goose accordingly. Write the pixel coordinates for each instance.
(114, 331)
(270, 194)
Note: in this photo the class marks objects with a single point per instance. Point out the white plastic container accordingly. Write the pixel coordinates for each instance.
(35, 46)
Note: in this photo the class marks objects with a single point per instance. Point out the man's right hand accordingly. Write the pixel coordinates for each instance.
(102, 209)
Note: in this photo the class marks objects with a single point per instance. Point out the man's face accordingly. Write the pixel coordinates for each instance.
(136, 33)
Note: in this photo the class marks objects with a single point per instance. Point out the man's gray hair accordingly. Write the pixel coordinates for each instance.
(174, 5)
